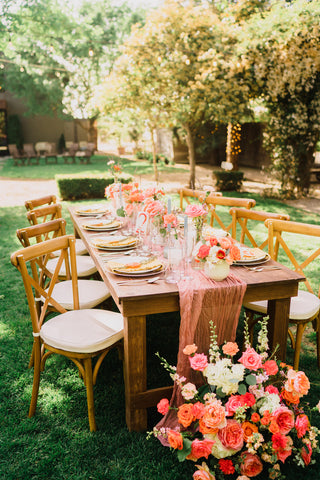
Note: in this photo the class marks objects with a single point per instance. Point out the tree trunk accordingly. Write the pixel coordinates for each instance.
(192, 157)
(154, 156)
(92, 131)
(305, 163)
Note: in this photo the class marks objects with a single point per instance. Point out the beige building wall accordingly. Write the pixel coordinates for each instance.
(40, 128)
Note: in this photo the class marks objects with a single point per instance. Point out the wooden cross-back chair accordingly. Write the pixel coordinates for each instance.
(240, 218)
(40, 202)
(29, 151)
(91, 292)
(44, 214)
(187, 193)
(305, 307)
(78, 335)
(214, 201)
(41, 213)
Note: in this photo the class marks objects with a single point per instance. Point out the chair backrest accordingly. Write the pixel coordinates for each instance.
(44, 214)
(34, 257)
(249, 222)
(222, 216)
(13, 150)
(40, 202)
(29, 150)
(187, 193)
(41, 232)
(300, 242)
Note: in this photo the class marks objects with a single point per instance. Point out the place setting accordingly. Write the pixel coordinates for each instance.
(254, 259)
(100, 225)
(114, 243)
(92, 210)
(136, 268)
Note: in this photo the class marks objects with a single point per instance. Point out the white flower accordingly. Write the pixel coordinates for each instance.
(223, 374)
(271, 401)
(189, 391)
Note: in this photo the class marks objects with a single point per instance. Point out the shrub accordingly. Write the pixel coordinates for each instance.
(76, 187)
(228, 180)
(14, 130)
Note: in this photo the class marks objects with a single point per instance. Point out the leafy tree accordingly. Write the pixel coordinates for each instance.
(55, 54)
(181, 69)
(281, 48)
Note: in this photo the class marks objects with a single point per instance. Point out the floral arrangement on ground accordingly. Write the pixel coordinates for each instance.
(246, 420)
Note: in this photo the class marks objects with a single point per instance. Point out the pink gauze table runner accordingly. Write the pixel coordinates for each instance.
(203, 300)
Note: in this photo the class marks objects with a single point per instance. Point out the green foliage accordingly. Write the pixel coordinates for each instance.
(74, 187)
(61, 144)
(58, 52)
(148, 156)
(228, 180)
(14, 131)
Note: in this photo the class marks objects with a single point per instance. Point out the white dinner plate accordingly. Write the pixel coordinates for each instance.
(102, 225)
(252, 263)
(102, 242)
(130, 260)
(89, 210)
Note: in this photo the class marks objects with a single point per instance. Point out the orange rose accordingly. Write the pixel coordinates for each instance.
(213, 418)
(230, 348)
(190, 349)
(255, 417)
(175, 440)
(301, 383)
(248, 430)
(290, 397)
(185, 414)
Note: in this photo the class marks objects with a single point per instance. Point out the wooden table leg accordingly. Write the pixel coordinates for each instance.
(135, 370)
(278, 311)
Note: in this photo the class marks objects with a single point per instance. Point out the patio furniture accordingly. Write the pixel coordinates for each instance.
(79, 335)
(47, 151)
(91, 292)
(305, 307)
(19, 159)
(49, 212)
(33, 157)
(40, 202)
(214, 201)
(187, 193)
(69, 155)
(135, 303)
(85, 156)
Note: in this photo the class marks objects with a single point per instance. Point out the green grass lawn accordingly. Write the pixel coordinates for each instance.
(98, 165)
(56, 443)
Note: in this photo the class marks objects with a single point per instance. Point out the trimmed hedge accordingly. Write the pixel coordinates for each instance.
(83, 186)
(228, 180)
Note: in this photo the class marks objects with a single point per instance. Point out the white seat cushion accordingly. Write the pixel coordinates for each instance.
(80, 248)
(85, 266)
(305, 305)
(83, 331)
(91, 293)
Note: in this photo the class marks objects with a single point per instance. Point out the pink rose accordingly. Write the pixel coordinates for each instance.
(272, 389)
(170, 219)
(203, 473)
(251, 359)
(163, 406)
(188, 391)
(198, 410)
(201, 448)
(190, 349)
(231, 436)
(225, 243)
(203, 251)
(302, 425)
(271, 367)
(301, 383)
(251, 465)
(230, 348)
(232, 404)
(154, 208)
(194, 211)
(198, 362)
(284, 418)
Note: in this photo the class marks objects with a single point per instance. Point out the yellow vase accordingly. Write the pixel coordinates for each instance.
(217, 271)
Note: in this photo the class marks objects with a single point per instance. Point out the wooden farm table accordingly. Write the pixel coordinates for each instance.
(276, 286)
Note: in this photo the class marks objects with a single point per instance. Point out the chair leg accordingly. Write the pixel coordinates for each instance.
(300, 329)
(36, 350)
(90, 400)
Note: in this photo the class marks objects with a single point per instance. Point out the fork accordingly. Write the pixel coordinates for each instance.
(259, 269)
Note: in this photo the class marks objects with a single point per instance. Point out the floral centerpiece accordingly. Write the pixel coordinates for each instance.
(115, 169)
(246, 420)
(218, 253)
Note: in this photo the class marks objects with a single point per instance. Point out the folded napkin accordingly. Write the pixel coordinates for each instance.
(202, 300)
(114, 243)
(129, 267)
(102, 223)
